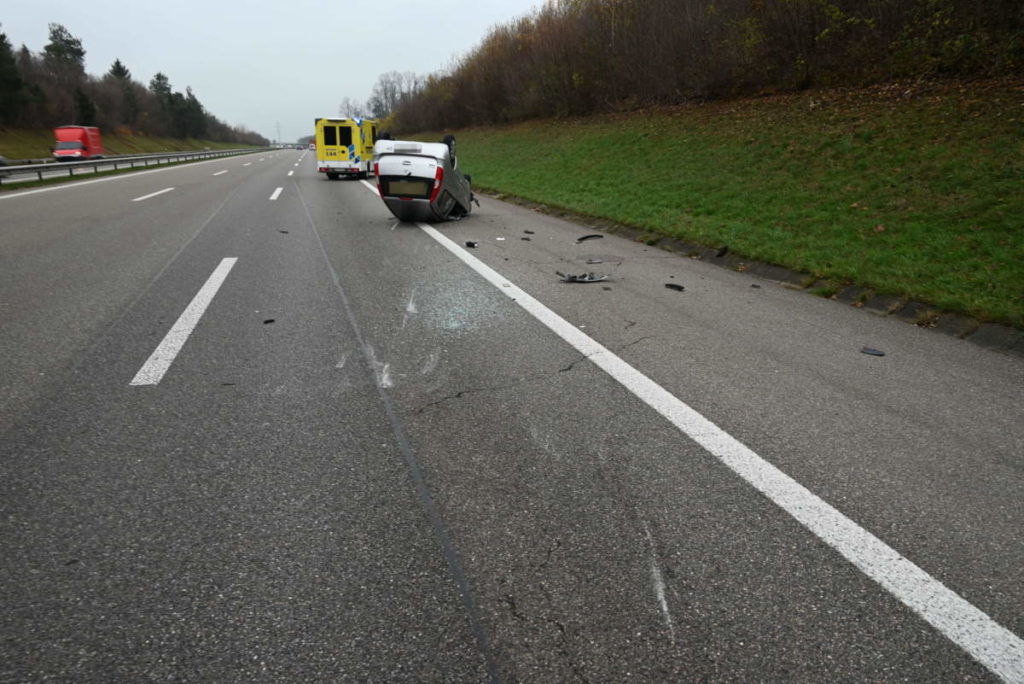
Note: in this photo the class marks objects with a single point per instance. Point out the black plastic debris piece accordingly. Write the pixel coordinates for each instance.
(606, 288)
(755, 285)
(470, 243)
(588, 237)
(871, 352)
(581, 277)
(283, 231)
(268, 321)
(525, 238)
(528, 232)
(675, 286)
(722, 251)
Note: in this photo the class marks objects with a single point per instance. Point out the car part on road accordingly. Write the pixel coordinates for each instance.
(582, 277)
(675, 286)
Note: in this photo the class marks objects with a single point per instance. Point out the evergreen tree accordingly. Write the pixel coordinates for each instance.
(85, 107)
(12, 87)
(64, 59)
(119, 71)
(64, 52)
(161, 87)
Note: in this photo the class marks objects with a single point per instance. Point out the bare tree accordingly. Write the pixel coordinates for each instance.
(353, 109)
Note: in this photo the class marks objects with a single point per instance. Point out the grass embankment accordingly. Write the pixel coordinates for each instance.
(910, 190)
(16, 144)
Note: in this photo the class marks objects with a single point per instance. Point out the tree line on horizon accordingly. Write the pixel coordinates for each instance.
(51, 89)
(581, 57)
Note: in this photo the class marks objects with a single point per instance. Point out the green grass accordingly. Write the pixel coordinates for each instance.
(911, 190)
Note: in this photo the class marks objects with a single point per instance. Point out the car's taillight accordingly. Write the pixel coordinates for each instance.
(438, 177)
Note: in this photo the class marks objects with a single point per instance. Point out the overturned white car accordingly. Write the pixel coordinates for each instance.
(420, 181)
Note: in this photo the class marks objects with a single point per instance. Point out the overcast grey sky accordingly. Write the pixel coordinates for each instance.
(257, 64)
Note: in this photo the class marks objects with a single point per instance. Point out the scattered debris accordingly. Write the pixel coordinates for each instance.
(499, 238)
(595, 260)
(606, 288)
(675, 286)
(755, 285)
(582, 277)
(871, 352)
(283, 231)
(528, 232)
(470, 243)
(722, 251)
(525, 238)
(268, 321)
(588, 237)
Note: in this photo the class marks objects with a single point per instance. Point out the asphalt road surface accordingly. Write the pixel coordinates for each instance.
(255, 429)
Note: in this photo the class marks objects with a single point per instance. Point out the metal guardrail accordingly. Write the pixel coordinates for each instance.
(120, 162)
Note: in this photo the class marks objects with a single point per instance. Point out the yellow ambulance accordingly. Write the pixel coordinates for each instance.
(344, 146)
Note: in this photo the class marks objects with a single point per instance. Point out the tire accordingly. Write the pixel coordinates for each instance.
(332, 176)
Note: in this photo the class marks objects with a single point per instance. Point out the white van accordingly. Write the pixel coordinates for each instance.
(420, 181)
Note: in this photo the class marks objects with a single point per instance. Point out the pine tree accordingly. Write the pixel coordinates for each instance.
(12, 87)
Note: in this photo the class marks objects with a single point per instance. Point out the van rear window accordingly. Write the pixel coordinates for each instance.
(337, 135)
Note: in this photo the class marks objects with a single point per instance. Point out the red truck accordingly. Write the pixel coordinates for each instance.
(77, 142)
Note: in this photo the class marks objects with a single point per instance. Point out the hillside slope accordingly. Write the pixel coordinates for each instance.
(911, 189)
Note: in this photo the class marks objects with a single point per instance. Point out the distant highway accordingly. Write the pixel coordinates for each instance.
(254, 428)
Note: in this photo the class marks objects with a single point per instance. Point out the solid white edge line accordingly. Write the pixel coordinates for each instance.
(276, 193)
(991, 644)
(152, 194)
(163, 356)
